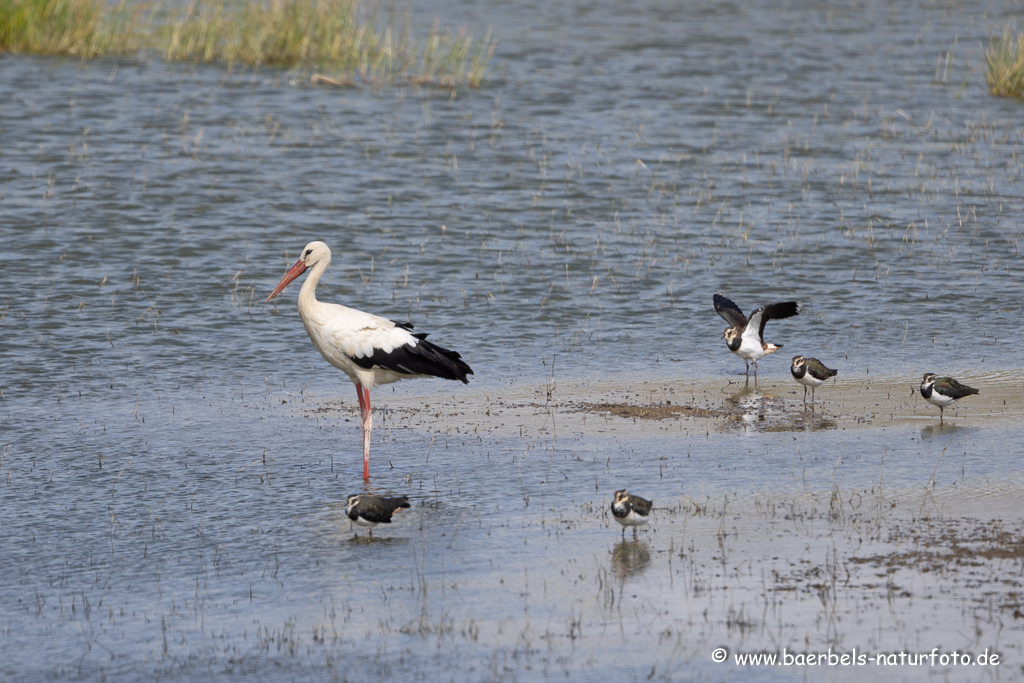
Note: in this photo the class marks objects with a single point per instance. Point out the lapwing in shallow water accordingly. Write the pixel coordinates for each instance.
(943, 391)
(630, 510)
(810, 372)
(745, 336)
(369, 511)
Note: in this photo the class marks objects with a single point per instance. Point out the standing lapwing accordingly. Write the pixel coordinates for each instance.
(630, 510)
(745, 337)
(369, 511)
(810, 372)
(943, 391)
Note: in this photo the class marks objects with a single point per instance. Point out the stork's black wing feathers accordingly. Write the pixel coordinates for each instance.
(423, 358)
(730, 311)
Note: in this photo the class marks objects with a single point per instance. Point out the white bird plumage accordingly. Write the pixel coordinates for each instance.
(753, 347)
(629, 510)
(370, 349)
(745, 337)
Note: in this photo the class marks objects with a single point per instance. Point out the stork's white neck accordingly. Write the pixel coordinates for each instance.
(307, 295)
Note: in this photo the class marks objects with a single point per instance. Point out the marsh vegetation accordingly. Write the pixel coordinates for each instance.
(347, 39)
(78, 28)
(1005, 64)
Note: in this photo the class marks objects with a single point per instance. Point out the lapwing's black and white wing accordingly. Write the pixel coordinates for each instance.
(947, 386)
(819, 370)
(641, 506)
(725, 307)
(376, 509)
(760, 318)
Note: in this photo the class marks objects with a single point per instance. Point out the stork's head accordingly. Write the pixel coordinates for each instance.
(313, 254)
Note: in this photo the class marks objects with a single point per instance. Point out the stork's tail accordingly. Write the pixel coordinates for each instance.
(443, 362)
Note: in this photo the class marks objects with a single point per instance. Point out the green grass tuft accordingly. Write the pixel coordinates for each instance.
(448, 60)
(1005, 65)
(80, 28)
(347, 38)
(283, 32)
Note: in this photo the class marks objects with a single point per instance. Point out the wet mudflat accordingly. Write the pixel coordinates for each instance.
(204, 552)
(176, 456)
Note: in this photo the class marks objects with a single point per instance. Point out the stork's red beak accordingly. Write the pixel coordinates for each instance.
(298, 269)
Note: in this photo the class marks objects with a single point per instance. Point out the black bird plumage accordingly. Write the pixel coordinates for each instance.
(425, 358)
(369, 511)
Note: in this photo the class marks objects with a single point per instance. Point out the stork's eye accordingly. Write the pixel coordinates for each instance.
(308, 252)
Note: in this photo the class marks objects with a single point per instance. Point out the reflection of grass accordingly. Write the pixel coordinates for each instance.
(341, 36)
(1005, 65)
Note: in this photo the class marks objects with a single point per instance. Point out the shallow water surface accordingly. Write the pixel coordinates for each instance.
(176, 455)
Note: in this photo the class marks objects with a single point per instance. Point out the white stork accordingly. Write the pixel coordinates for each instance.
(370, 349)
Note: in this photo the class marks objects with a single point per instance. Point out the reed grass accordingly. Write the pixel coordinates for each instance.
(80, 28)
(447, 59)
(1005, 64)
(284, 32)
(348, 38)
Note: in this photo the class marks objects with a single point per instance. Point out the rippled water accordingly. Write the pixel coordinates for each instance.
(172, 498)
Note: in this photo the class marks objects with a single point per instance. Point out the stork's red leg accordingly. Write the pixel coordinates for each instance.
(362, 404)
(367, 424)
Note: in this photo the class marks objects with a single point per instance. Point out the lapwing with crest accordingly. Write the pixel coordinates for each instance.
(630, 510)
(812, 373)
(943, 391)
(369, 511)
(745, 336)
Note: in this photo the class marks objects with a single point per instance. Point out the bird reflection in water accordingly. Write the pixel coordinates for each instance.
(747, 397)
(747, 405)
(941, 429)
(629, 558)
(755, 411)
(816, 424)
